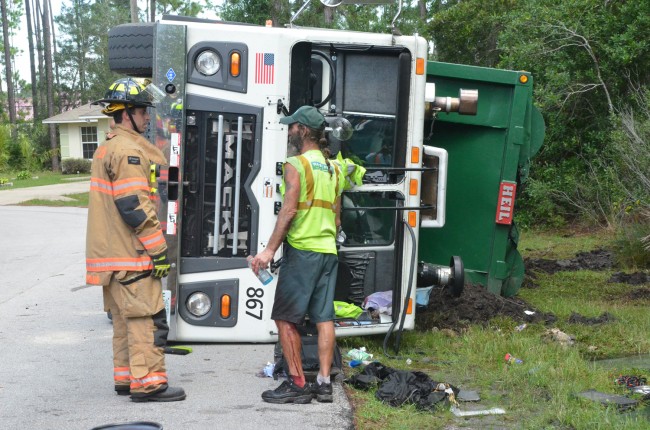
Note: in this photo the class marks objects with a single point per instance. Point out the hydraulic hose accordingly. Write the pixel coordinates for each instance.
(402, 318)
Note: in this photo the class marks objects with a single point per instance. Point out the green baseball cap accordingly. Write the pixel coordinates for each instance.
(308, 116)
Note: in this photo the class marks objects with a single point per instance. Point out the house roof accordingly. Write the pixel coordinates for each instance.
(85, 113)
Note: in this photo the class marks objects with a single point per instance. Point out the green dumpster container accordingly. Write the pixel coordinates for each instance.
(489, 158)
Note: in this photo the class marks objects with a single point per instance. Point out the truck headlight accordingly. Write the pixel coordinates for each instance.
(199, 304)
(208, 62)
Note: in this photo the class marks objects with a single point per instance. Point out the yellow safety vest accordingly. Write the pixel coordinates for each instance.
(314, 226)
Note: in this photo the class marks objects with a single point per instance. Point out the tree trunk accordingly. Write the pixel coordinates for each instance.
(422, 4)
(39, 49)
(83, 84)
(56, 64)
(49, 79)
(32, 62)
(152, 10)
(329, 15)
(134, 11)
(11, 96)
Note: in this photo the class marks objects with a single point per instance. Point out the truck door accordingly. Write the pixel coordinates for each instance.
(371, 88)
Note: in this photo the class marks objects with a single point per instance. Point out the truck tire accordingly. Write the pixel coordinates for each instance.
(130, 49)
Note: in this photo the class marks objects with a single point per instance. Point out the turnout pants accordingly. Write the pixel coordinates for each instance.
(139, 331)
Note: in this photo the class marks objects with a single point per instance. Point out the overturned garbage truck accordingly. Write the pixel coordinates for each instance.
(444, 148)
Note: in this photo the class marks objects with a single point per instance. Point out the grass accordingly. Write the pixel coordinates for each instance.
(78, 200)
(38, 179)
(541, 392)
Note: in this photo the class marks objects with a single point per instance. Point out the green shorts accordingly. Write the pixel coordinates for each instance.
(305, 286)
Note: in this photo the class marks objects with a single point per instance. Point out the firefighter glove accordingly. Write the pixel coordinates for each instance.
(161, 266)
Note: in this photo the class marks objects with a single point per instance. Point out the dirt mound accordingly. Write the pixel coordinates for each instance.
(475, 306)
(639, 294)
(576, 318)
(636, 278)
(598, 259)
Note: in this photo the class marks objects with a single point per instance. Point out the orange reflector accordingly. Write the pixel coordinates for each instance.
(523, 79)
(419, 66)
(413, 187)
(409, 309)
(235, 61)
(413, 218)
(225, 306)
(415, 155)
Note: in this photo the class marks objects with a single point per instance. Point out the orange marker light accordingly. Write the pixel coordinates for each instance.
(415, 155)
(413, 218)
(225, 306)
(235, 64)
(409, 309)
(523, 79)
(413, 187)
(419, 66)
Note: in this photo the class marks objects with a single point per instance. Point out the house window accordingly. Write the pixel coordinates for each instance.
(88, 141)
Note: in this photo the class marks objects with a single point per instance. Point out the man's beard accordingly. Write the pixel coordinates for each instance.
(296, 141)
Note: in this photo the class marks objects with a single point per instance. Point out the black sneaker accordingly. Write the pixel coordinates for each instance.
(167, 394)
(123, 390)
(288, 392)
(322, 392)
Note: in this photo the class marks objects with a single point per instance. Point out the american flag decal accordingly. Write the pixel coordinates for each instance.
(264, 68)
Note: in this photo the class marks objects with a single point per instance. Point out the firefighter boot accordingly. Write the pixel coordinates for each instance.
(164, 394)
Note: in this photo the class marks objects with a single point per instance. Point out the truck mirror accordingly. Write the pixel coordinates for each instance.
(339, 127)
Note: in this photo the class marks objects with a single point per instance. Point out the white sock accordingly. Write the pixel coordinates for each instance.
(322, 379)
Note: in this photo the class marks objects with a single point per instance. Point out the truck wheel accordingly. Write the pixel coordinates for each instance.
(457, 284)
(130, 49)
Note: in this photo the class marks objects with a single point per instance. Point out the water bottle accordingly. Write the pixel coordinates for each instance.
(340, 238)
(511, 359)
(263, 275)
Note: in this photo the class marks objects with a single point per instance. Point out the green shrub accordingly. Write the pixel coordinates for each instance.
(72, 166)
(24, 174)
(629, 245)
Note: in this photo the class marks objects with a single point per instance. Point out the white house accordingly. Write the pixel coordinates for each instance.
(80, 130)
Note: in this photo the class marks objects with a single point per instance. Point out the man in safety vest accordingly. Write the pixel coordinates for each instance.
(309, 219)
(126, 252)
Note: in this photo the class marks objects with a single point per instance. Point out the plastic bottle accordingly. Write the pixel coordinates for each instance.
(340, 238)
(511, 359)
(263, 275)
(355, 363)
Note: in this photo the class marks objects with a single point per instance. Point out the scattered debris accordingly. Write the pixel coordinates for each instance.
(468, 396)
(622, 403)
(630, 381)
(510, 359)
(557, 335)
(493, 411)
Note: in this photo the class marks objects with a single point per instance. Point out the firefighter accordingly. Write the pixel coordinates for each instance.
(126, 252)
(309, 219)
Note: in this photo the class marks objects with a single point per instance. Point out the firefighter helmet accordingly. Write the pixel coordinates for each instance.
(123, 93)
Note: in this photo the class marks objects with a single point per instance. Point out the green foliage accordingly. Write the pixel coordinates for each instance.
(23, 174)
(71, 166)
(5, 142)
(257, 11)
(82, 56)
(628, 245)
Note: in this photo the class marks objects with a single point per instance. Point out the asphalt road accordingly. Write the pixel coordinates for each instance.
(55, 359)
